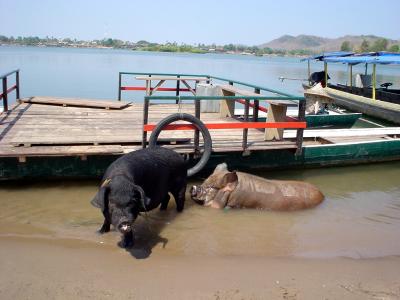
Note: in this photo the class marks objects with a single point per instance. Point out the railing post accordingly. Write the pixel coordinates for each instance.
(5, 96)
(256, 106)
(17, 84)
(119, 87)
(245, 130)
(300, 131)
(145, 121)
(178, 86)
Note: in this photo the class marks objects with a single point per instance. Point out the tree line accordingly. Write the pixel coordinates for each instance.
(149, 46)
(376, 46)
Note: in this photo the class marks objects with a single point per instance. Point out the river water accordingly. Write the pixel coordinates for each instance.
(360, 216)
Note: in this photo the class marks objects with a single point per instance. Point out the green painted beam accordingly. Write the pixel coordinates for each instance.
(9, 73)
(253, 86)
(271, 98)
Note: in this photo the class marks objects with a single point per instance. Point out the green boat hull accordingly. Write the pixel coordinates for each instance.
(314, 156)
(342, 120)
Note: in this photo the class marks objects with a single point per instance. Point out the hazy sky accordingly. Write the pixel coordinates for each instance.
(249, 22)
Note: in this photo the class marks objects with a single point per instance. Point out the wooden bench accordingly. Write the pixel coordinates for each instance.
(276, 111)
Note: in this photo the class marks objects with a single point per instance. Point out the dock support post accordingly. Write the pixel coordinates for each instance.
(374, 81)
(5, 96)
(326, 74)
(300, 131)
(256, 106)
(178, 86)
(351, 76)
(245, 130)
(17, 84)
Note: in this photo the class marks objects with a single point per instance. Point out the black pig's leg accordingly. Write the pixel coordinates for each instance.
(164, 203)
(127, 240)
(179, 195)
(106, 224)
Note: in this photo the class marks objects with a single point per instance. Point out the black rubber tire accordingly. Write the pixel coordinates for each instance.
(199, 125)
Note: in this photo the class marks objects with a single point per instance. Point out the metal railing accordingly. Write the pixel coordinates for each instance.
(298, 123)
(177, 89)
(6, 90)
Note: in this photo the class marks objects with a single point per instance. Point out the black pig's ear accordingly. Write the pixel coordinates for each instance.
(144, 200)
(230, 177)
(101, 198)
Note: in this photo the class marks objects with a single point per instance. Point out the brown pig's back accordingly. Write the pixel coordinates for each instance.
(257, 192)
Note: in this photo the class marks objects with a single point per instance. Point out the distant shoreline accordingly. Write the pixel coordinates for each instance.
(156, 51)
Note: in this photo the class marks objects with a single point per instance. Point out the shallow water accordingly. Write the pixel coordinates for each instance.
(359, 218)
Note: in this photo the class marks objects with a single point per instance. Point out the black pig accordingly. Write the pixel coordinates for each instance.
(138, 182)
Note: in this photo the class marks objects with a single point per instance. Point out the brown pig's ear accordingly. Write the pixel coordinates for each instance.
(230, 177)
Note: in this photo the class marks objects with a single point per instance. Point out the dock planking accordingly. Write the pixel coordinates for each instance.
(76, 102)
(32, 129)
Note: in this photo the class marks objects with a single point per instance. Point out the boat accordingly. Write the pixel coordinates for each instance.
(363, 96)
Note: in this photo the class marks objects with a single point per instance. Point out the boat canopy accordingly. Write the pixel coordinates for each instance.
(383, 58)
(351, 58)
(324, 55)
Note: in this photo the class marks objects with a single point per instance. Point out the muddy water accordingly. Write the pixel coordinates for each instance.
(359, 218)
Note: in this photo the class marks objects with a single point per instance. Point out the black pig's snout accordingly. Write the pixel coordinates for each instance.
(125, 226)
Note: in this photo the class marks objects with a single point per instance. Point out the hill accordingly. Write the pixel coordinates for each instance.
(319, 44)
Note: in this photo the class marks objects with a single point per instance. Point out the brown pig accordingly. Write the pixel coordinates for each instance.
(241, 190)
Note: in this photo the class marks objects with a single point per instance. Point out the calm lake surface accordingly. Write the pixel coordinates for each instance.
(93, 73)
(359, 218)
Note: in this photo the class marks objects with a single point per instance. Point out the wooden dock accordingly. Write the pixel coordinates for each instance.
(35, 127)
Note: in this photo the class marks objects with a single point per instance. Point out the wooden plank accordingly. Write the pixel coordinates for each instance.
(227, 107)
(76, 102)
(235, 90)
(60, 150)
(353, 132)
